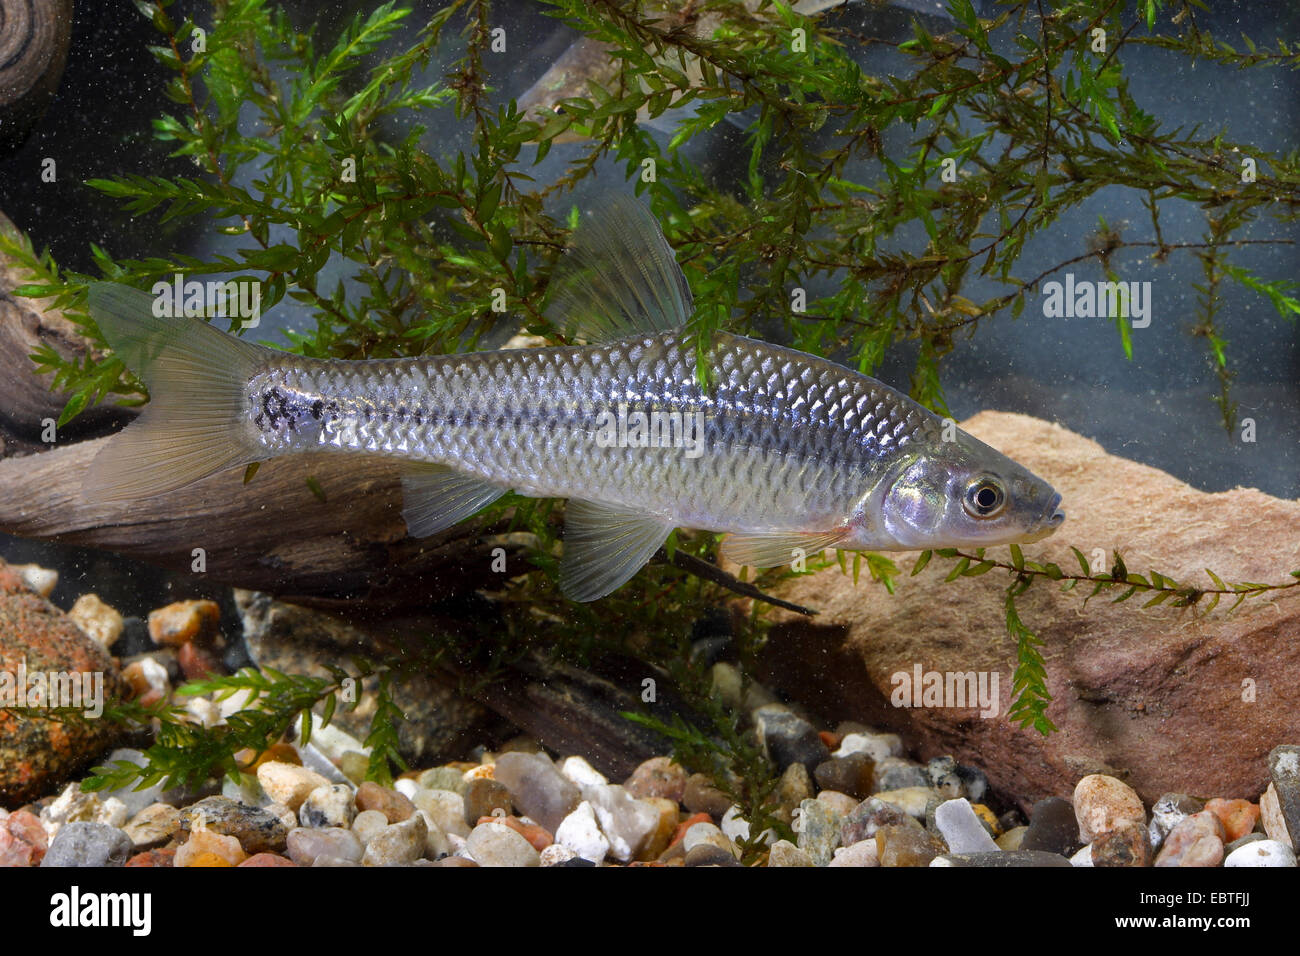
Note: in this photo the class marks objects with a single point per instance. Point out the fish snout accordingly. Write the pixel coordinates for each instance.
(1055, 515)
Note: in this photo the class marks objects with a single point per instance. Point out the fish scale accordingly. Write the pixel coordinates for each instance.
(784, 442)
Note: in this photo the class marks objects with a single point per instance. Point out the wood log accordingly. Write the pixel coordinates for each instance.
(273, 534)
(27, 402)
(34, 39)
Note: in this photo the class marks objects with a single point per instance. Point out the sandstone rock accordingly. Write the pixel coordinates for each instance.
(37, 754)
(1154, 691)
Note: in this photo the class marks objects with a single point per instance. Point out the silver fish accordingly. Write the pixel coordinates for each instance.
(788, 452)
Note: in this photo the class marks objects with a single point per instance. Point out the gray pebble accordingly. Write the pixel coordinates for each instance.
(787, 738)
(1053, 828)
(308, 844)
(819, 831)
(537, 788)
(706, 854)
(257, 830)
(868, 817)
(88, 844)
(1002, 858)
(1284, 766)
(398, 844)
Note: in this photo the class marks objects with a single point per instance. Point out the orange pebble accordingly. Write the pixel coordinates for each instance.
(284, 753)
(1237, 816)
(830, 739)
(209, 859)
(686, 824)
(182, 622)
(265, 859)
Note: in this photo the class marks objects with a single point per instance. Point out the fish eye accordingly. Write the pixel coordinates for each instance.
(985, 497)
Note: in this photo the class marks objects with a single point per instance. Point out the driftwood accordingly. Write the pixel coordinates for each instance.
(26, 402)
(273, 534)
(33, 51)
(573, 711)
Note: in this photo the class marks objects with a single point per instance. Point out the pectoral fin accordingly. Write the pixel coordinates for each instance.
(436, 497)
(772, 549)
(604, 546)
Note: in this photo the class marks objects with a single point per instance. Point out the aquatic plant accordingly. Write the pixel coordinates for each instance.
(333, 168)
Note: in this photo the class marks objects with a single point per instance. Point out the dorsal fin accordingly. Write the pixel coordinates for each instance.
(619, 277)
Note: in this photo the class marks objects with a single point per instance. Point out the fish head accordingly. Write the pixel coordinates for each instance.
(963, 493)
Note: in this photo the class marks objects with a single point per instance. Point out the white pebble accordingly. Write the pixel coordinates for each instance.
(875, 746)
(39, 579)
(1262, 853)
(406, 787)
(204, 713)
(1083, 857)
(864, 853)
(102, 623)
(238, 701)
(556, 854)
(495, 844)
(436, 845)
(582, 773)
(707, 834)
(445, 808)
(581, 834)
(288, 783)
(367, 824)
(734, 826)
(397, 844)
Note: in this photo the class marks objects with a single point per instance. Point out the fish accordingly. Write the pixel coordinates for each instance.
(588, 60)
(786, 453)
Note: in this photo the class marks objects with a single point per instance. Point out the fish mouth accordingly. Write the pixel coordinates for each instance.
(1055, 517)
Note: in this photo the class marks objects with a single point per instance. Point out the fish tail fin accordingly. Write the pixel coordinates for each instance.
(195, 423)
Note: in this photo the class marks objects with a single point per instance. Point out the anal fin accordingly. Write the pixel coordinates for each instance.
(435, 497)
(604, 546)
(772, 549)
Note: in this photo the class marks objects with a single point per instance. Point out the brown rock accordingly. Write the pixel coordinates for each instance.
(268, 859)
(853, 775)
(162, 857)
(37, 754)
(658, 777)
(483, 797)
(198, 661)
(393, 805)
(1124, 845)
(1154, 691)
(906, 846)
(1102, 803)
(701, 796)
